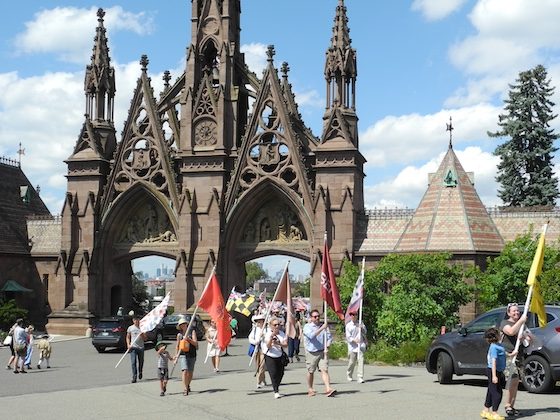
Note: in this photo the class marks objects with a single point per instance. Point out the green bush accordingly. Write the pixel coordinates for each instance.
(406, 353)
(9, 312)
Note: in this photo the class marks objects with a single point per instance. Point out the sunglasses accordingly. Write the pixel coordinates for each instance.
(512, 304)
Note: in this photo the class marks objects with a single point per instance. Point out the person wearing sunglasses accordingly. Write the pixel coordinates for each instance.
(317, 339)
(272, 348)
(510, 328)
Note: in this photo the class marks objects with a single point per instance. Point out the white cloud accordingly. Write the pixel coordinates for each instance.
(309, 99)
(436, 9)
(511, 36)
(408, 187)
(50, 29)
(411, 138)
(255, 57)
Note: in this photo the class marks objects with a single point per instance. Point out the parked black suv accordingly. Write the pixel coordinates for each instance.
(464, 351)
(111, 332)
(168, 326)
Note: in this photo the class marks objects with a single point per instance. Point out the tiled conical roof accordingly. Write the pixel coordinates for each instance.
(451, 216)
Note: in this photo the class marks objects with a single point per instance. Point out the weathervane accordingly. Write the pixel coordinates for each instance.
(20, 152)
(450, 129)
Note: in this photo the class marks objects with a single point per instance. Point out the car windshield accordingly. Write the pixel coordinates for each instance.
(108, 324)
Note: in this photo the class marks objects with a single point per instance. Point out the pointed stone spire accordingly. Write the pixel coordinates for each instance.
(340, 65)
(99, 83)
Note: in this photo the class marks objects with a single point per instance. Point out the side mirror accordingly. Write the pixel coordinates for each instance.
(463, 331)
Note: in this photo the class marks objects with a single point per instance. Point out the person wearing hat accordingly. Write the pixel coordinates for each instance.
(163, 366)
(45, 349)
(135, 342)
(357, 341)
(255, 338)
(185, 352)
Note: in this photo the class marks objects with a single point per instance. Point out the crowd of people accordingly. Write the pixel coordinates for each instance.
(21, 342)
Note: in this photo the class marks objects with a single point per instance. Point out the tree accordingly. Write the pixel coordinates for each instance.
(139, 294)
(525, 171)
(425, 292)
(254, 271)
(505, 278)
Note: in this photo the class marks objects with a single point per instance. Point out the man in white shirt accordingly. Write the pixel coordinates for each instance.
(135, 343)
(357, 341)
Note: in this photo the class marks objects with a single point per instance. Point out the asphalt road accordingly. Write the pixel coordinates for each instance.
(83, 384)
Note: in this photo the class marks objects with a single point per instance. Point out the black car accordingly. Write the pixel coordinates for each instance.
(111, 332)
(464, 351)
(168, 326)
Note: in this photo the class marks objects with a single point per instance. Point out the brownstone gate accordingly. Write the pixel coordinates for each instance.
(218, 169)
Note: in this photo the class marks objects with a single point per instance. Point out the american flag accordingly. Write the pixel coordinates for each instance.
(357, 296)
(154, 317)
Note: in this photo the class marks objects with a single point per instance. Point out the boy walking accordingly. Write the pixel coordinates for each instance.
(163, 366)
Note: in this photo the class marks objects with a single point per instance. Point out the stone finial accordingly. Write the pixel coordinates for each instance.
(100, 15)
(270, 52)
(144, 62)
(166, 78)
(285, 69)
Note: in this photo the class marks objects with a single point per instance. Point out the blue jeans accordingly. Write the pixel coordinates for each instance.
(136, 353)
(293, 347)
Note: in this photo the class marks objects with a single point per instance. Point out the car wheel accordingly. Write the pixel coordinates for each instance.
(100, 349)
(444, 368)
(159, 337)
(536, 375)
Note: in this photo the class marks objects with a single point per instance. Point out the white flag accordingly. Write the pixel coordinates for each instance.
(150, 321)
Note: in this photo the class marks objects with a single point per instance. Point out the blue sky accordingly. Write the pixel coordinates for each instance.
(419, 62)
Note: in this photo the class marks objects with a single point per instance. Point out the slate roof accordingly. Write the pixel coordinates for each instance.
(14, 210)
(450, 216)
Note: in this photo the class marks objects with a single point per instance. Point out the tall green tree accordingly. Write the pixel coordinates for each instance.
(505, 277)
(525, 171)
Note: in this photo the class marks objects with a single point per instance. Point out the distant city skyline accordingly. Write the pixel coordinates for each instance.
(271, 264)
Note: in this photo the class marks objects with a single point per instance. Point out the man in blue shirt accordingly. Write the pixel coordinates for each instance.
(317, 339)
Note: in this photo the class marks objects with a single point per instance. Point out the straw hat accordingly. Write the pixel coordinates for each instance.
(256, 318)
(182, 320)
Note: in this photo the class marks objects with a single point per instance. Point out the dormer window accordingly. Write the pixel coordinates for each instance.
(450, 179)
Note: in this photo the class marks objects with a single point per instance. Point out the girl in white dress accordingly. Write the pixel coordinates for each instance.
(213, 349)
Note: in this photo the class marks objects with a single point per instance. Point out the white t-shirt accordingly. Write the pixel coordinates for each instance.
(275, 350)
(352, 332)
(135, 332)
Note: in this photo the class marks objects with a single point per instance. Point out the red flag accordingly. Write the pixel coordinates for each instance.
(212, 302)
(284, 294)
(329, 289)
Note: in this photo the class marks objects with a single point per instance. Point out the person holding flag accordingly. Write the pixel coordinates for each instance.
(185, 351)
(317, 338)
(357, 342)
(355, 329)
(135, 338)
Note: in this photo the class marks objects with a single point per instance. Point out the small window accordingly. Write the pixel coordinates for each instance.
(482, 324)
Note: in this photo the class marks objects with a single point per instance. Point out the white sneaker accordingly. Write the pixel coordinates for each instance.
(259, 386)
(277, 395)
(348, 378)
(361, 380)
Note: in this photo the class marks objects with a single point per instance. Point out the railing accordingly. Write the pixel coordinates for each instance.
(8, 161)
(54, 219)
(519, 212)
(396, 213)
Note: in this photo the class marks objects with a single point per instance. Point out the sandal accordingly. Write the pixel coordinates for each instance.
(510, 411)
(186, 392)
(311, 393)
(330, 393)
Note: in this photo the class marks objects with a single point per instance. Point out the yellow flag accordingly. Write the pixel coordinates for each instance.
(537, 302)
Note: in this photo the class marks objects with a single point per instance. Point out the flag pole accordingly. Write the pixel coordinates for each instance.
(267, 314)
(194, 314)
(360, 355)
(527, 302)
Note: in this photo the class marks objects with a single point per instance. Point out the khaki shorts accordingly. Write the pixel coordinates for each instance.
(314, 359)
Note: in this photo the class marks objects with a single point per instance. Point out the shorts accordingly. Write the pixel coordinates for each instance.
(187, 363)
(21, 349)
(163, 374)
(512, 370)
(314, 359)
